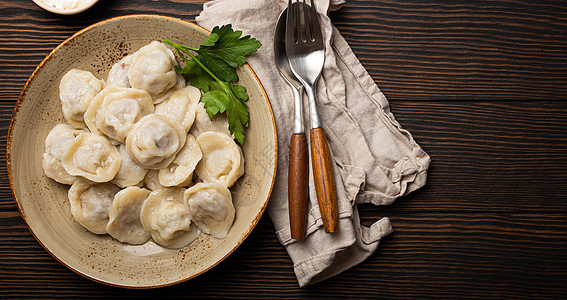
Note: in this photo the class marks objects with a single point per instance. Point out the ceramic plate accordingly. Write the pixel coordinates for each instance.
(43, 203)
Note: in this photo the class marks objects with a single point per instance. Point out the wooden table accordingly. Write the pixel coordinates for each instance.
(481, 85)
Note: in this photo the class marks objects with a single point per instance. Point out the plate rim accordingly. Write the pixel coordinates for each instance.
(13, 120)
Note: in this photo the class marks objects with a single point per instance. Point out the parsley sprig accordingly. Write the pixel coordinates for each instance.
(213, 70)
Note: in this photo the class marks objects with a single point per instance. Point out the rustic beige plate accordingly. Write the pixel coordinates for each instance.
(43, 202)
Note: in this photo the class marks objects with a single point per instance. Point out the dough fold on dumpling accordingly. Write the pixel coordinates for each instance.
(115, 109)
(76, 89)
(154, 141)
(118, 74)
(56, 143)
(203, 122)
(210, 207)
(90, 204)
(166, 217)
(130, 173)
(151, 181)
(181, 106)
(180, 171)
(92, 157)
(153, 70)
(222, 162)
(124, 216)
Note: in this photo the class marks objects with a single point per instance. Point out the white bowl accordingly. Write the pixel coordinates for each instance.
(43, 203)
(45, 4)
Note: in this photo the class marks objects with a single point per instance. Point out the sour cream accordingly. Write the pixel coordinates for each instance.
(67, 4)
(65, 7)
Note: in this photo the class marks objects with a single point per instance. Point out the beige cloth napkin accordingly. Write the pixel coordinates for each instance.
(376, 161)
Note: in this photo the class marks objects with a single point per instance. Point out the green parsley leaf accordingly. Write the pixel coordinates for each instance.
(240, 92)
(230, 46)
(211, 40)
(213, 70)
(219, 67)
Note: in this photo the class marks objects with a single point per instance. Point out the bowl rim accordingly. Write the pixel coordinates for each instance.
(13, 120)
(73, 11)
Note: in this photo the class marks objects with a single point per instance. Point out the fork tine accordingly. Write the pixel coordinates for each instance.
(309, 20)
(314, 24)
(301, 17)
(290, 23)
(298, 21)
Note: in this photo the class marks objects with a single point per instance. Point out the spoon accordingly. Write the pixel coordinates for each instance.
(298, 177)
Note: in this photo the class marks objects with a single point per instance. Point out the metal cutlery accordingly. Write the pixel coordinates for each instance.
(298, 177)
(306, 54)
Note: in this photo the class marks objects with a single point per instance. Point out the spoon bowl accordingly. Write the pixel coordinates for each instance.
(298, 155)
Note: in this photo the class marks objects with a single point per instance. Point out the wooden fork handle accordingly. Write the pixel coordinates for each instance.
(324, 179)
(298, 183)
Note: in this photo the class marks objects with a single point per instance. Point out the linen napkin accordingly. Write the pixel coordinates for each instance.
(376, 161)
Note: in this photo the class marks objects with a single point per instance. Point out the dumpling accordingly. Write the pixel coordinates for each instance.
(92, 157)
(180, 106)
(154, 141)
(118, 74)
(124, 216)
(153, 70)
(165, 216)
(151, 181)
(76, 89)
(56, 143)
(211, 209)
(203, 123)
(115, 109)
(121, 110)
(90, 204)
(222, 160)
(130, 173)
(180, 171)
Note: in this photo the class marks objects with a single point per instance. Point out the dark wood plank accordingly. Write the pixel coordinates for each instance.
(415, 50)
(28, 33)
(486, 156)
(489, 156)
(506, 50)
(482, 87)
(496, 255)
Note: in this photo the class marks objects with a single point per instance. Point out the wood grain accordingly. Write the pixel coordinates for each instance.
(298, 185)
(502, 50)
(480, 255)
(324, 179)
(482, 87)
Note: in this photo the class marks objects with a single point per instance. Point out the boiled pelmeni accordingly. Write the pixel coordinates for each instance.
(90, 204)
(222, 162)
(118, 74)
(154, 141)
(76, 90)
(115, 109)
(210, 207)
(180, 171)
(203, 122)
(92, 157)
(153, 70)
(181, 106)
(130, 173)
(124, 216)
(56, 143)
(165, 216)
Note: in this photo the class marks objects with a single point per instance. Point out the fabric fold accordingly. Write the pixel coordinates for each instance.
(375, 160)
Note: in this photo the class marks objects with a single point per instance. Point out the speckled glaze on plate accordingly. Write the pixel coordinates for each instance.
(43, 203)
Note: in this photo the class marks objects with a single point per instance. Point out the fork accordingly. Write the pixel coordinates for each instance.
(306, 54)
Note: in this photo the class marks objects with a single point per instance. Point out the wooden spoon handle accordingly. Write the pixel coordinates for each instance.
(298, 183)
(324, 179)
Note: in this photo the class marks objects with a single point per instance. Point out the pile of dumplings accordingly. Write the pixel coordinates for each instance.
(142, 156)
